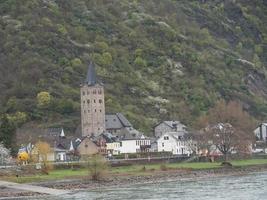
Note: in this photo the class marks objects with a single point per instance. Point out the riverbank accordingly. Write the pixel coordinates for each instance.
(154, 177)
(78, 179)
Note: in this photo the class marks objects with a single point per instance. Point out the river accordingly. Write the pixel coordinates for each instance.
(247, 187)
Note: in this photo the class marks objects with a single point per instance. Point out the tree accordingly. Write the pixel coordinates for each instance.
(139, 62)
(229, 127)
(7, 133)
(42, 149)
(43, 99)
(106, 59)
(97, 166)
(5, 157)
(199, 143)
(17, 118)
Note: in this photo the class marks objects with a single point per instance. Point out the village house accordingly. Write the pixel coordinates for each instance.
(135, 144)
(62, 147)
(174, 142)
(168, 126)
(261, 132)
(261, 139)
(87, 147)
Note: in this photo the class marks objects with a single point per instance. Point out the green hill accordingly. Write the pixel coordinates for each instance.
(158, 59)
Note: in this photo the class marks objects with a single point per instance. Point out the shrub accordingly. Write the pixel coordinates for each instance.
(97, 166)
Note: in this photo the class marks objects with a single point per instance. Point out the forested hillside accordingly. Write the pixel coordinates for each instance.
(158, 59)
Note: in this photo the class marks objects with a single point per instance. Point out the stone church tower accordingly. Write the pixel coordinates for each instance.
(92, 104)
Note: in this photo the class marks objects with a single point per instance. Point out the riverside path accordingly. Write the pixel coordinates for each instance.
(32, 188)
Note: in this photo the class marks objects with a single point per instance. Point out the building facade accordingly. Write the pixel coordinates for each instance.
(92, 105)
(136, 145)
(175, 143)
(261, 132)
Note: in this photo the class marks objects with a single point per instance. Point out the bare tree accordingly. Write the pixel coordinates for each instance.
(229, 127)
(97, 167)
(199, 142)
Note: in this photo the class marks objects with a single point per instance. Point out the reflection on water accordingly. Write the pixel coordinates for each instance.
(249, 187)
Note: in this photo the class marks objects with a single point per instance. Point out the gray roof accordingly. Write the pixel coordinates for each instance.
(91, 75)
(116, 121)
(173, 123)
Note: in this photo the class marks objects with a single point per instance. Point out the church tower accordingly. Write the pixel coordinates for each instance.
(92, 104)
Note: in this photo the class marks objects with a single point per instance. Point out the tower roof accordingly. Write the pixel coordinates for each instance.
(91, 75)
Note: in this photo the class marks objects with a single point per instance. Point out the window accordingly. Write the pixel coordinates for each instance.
(94, 91)
(162, 144)
(88, 101)
(88, 92)
(83, 93)
(99, 92)
(120, 144)
(166, 137)
(100, 100)
(88, 111)
(86, 145)
(84, 111)
(94, 101)
(100, 110)
(95, 110)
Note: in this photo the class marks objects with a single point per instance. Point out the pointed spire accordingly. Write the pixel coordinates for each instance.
(91, 74)
(62, 134)
(71, 146)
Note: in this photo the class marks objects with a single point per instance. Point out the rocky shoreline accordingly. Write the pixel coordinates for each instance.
(126, 180)
(155, 177)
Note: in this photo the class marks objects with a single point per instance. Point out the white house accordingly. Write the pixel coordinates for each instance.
(261, 139)
(135, 145)
(261, 132)
(174, 142)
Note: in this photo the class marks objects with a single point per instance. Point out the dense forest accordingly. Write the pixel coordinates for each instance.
(157, 59)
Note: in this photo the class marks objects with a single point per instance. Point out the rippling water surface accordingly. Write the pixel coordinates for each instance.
(249, 187)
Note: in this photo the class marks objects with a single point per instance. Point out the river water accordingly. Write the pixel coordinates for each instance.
(247, 187)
